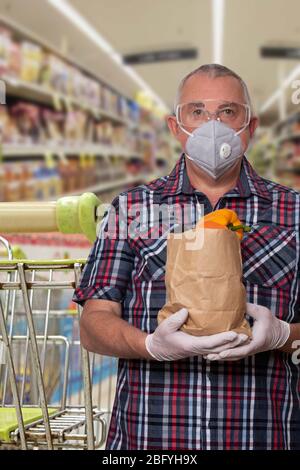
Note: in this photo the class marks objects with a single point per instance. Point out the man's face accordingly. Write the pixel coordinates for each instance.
(202, 87)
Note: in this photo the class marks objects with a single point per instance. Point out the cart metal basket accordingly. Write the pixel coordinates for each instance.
(53, 393)
(48, 398)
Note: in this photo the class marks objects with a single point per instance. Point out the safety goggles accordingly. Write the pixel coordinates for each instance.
(194, 114)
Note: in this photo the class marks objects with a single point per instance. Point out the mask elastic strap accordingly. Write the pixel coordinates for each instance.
(190, 158)
(186, 132)
(189, 134)
(241, 130)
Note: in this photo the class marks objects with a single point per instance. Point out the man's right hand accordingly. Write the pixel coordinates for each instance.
(166, 343)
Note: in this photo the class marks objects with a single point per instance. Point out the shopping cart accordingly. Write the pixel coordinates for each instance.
(53, 393)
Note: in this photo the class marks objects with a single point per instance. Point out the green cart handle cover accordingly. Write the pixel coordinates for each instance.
(88, 204)
(77, 214)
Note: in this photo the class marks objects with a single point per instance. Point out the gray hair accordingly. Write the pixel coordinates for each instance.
(215, 71)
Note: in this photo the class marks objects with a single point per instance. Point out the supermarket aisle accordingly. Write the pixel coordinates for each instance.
(85, 92)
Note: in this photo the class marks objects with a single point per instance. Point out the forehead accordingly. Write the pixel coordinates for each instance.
(201, 86)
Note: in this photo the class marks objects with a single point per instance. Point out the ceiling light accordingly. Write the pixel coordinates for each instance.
(218, 30)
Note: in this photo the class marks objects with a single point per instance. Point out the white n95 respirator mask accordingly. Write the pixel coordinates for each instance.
(214, 147)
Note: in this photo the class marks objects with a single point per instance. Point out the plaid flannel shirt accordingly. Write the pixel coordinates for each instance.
(192, 403)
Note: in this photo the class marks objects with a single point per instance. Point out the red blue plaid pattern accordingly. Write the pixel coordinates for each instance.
(193, 403)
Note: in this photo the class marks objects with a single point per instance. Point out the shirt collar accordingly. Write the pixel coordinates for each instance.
(249, 182)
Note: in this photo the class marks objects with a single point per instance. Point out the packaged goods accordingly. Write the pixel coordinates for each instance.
(31, 61)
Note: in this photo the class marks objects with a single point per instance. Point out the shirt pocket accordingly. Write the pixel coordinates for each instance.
(269, 256)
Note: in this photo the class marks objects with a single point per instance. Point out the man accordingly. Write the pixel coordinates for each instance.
(176, 391)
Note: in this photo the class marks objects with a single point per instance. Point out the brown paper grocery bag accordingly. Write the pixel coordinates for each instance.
(207, 280)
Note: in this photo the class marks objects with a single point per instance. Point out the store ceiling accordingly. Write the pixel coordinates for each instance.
(143, 25)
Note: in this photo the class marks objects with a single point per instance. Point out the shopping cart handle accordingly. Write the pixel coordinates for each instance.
(70, 214)
(78, 214)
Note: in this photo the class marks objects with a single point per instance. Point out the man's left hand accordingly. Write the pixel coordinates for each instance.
(268, 333)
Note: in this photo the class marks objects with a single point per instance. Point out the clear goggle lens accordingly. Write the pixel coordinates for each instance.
(194, 114)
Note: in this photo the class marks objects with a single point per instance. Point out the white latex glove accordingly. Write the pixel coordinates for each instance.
(169, 344)
(268, 333)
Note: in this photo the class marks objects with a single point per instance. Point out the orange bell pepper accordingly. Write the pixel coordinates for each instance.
(226, 219)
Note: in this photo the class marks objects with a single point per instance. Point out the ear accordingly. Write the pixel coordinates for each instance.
(173, 125)
(253, 125)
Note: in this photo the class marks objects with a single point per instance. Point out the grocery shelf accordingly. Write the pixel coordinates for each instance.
(40, 93)
(22, 32)
(162, 157)
(11, 150)
(276, 153)
(294, 136)
(102, 187)
(288, 169)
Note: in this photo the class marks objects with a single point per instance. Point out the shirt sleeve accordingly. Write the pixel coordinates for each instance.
(109, 265)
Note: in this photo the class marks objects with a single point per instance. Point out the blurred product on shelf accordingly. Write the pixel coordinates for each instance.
(134, 166)
(49, 178)
(20, 124)
(25, 119)
(6, 126)
(262, 155)
(53, 123)
(29, 182)
(23, 123)
(62, 78)
(31, 61)
(10, 54)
